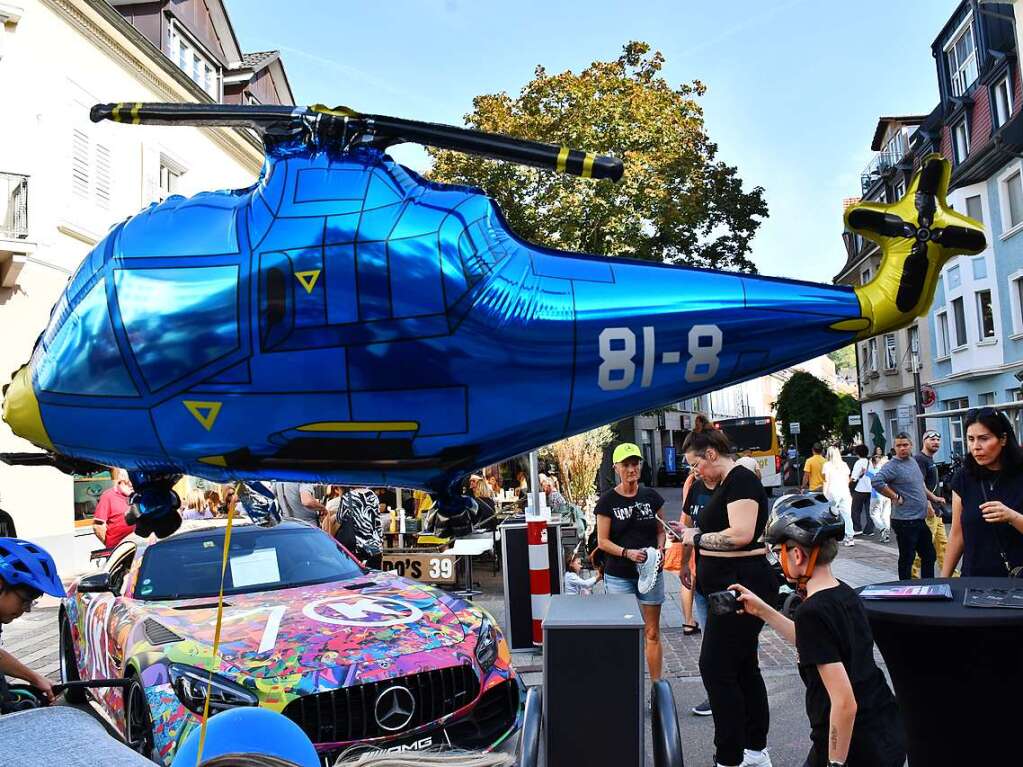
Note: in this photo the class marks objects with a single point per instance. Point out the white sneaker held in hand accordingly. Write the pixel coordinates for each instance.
(648, 570)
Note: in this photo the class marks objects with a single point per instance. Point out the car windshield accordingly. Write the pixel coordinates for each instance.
(260, 559)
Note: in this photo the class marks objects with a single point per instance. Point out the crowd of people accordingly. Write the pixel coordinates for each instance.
(725, 532)
(724, 544)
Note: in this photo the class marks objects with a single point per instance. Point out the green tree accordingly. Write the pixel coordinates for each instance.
(806, 399)
(676, 202)
(847, 406)
(844, 357)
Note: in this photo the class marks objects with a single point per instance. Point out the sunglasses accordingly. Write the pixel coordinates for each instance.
(27, 603)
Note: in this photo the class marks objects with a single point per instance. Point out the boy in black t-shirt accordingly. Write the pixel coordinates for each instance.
(853, 716)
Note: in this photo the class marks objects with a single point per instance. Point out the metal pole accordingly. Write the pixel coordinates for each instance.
(534, 481)
(539, 559)
(918, 394)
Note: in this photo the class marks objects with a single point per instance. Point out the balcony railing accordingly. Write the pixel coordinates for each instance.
(881, 163)
(13, 206)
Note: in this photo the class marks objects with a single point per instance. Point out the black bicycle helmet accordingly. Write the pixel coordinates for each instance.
(804, 518)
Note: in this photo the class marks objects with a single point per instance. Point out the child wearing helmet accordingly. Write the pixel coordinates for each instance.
(26, 573)
(853, 716)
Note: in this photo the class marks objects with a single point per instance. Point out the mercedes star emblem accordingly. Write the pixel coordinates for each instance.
(394, 708)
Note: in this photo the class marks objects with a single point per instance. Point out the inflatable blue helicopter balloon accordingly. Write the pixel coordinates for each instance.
(346, 321)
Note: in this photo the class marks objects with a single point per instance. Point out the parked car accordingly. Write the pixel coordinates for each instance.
(357, 658)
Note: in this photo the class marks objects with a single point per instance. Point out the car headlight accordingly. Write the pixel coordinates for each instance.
(486, 646)
(191, 685)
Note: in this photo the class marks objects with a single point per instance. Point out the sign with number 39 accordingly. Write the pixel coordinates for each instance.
(427, 568)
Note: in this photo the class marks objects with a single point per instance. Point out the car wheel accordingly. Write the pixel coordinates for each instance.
(68, 662)
(138, 723)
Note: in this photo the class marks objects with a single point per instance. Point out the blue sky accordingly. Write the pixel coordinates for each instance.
(794, 87)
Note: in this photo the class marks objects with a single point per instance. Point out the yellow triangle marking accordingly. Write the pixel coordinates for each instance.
(205, 412)
(214, 460)
(308, 279)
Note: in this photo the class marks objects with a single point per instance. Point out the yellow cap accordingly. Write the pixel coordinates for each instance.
(625, 450)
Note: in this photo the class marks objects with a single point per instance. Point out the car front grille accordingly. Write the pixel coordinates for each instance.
(347, 714)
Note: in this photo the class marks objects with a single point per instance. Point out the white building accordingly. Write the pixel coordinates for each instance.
(65, 180)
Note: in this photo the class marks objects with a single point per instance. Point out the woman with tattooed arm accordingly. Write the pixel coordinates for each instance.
(730, 550)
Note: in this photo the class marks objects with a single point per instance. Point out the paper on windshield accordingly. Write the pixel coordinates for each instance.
(258, 567)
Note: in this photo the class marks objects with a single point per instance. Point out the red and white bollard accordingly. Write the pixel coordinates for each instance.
(539, 573)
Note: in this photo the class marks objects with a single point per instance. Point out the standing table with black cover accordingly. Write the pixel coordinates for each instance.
(957, 672)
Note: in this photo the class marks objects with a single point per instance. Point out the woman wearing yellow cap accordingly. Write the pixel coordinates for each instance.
(629, 533)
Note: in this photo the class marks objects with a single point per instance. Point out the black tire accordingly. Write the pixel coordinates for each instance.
(138, 722)
(68, 662)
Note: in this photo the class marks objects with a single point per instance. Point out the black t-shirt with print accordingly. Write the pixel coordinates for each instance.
(697, 498)
(740, 484)
(633, 525)
(832, 627)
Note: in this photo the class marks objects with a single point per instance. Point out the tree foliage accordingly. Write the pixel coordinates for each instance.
(847, 405)
(806, 399)
(579, 458)
(844, 357)
(676, 202)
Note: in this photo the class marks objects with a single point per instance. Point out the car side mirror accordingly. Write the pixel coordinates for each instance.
(97, 583)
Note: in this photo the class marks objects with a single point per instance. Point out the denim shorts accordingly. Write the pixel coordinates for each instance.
(655, 596)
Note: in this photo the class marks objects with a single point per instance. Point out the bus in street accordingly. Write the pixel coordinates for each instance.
(757, 437)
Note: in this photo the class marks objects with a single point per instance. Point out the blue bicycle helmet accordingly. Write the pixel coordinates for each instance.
(249, 730)
(22, 563)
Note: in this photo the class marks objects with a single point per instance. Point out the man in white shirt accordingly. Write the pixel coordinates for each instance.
(861, 492)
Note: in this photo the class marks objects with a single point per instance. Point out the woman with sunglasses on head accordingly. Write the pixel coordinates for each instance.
(987, 496)
(730, 549)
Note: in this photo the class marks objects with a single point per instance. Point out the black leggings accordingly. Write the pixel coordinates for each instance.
(728, 658)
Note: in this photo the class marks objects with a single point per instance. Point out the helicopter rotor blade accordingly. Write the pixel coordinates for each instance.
(925, 200)
(343, 121)
(914, 274)
(960, 237)
(883, 224)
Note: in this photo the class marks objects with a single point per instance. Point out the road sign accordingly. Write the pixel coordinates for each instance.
(855, 420)
(928, 396)
(794, 427)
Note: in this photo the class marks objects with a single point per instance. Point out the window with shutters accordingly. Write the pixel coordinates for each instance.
(80, 163)
(91, 169)
(891, 357)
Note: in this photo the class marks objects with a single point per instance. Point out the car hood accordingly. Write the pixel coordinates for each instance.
(335, 628)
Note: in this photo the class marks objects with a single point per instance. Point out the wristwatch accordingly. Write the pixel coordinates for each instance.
(696, 540)
(836, 764)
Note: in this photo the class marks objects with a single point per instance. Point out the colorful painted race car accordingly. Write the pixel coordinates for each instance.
(360, 659)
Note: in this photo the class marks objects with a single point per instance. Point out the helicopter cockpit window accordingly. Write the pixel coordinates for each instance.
(83, 357)
(178, 320)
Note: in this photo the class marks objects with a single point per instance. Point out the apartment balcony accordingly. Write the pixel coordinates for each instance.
(15, 246)
(879, 167)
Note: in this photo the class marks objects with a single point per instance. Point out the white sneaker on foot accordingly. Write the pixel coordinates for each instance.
(648, 570)
(755, 758)
(848, 542)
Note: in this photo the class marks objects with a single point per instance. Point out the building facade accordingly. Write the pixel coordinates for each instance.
(885, 363)
(977, 315)
(65, 180)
